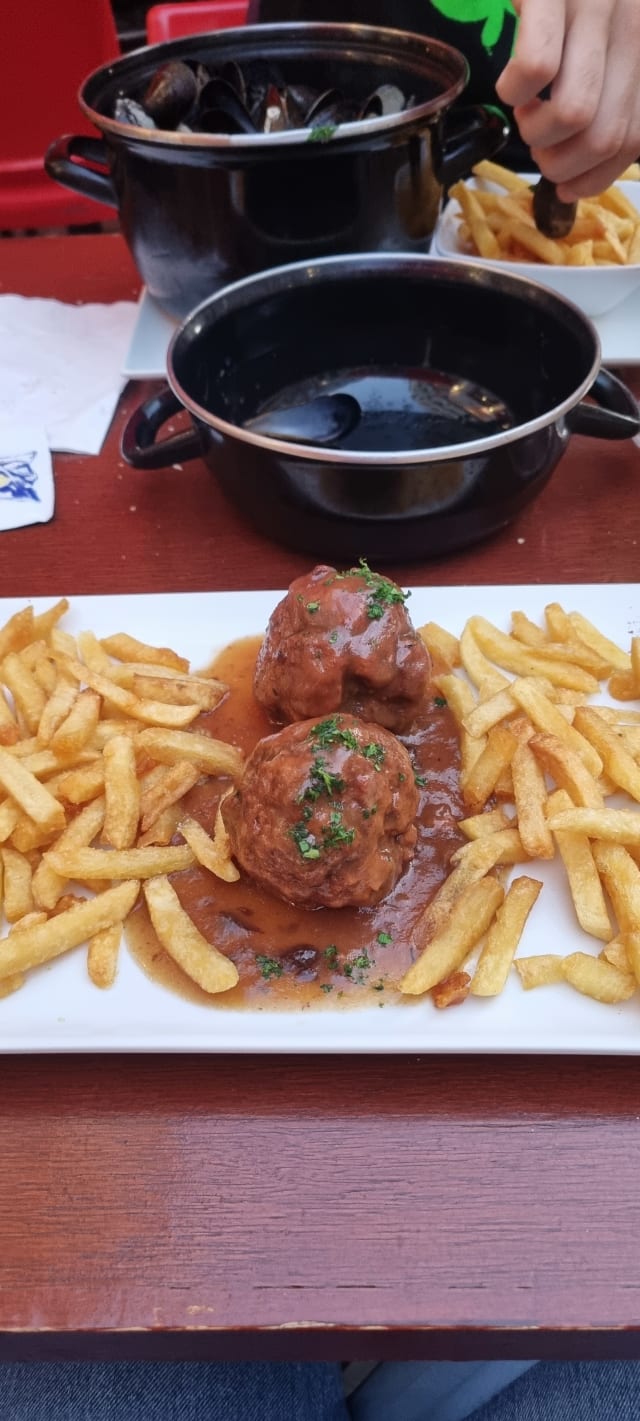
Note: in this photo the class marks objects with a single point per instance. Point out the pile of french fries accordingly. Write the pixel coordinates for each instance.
(97, 751)
(496, 221)
(539, 760)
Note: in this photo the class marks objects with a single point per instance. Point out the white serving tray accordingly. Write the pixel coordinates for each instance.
(60, 1010)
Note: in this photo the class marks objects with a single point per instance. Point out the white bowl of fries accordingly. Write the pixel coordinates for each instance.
(489, 221)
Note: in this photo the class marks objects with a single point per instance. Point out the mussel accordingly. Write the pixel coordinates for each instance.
(255, 98)
(170, 93)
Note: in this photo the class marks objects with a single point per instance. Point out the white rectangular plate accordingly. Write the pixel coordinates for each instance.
(619, 332)
(59, 1009)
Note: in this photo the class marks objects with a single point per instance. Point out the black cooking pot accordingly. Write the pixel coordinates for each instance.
(470, 383)
(201, 210)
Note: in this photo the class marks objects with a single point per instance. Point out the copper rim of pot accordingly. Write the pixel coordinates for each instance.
(358, 36)
(299, 274)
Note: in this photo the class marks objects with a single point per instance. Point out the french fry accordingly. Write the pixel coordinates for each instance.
(29, 794)
(481, 779)
(102, 956)
(614, 656)
(461, 701)
(56, 709)
(44, 622)
(9, 817)
(623, 686)
(9, 732)
(443, 648)
(631, 943)
(122, 793)
(497, 707)
(41, 943)
(567, 769)
(150, 712)
(478, 667)
(491, 172)
(503, 937)
(621, 876)
(48, 885)
(18, 898)
(523, 629)
(211, 757)
(162, 830)
(468, 921)
(616, 760)
(530, 796)
(76, 729)
(597, 978)
(29, 697)
(169, 784)
(78, 786)
(452, 992)
(17, 632)
(616, 953)
(503, 847)
(478, 826)
(180, 937)
(541, 971)
(126, 648)
(615, 826)
(205, 693)
(111, 864)
(582, 876)
(546, 717)
(213, 853)
(11, 985)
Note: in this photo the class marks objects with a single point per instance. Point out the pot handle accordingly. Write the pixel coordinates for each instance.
(615, 414)
(470, 134)
(138, 444)
(88, 181)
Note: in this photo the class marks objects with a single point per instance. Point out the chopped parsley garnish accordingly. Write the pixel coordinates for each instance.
(322, 133)
(382, 592)
(369, 813)
(321, 781)
(375, 753)
(326, 987)
(333, 637)
(440, 702)
(378, 987)
(384, 939)
(329, 732)
(269, 967)
(331, 953)
(335, 832)
(362, 961)
(305, 841)
(348, 969)
(313, 606)
(420, 781)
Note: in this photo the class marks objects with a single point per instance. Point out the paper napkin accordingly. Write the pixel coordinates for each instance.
(60, 367)
(26, 476)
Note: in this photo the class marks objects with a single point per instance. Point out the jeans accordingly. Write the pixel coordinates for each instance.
(171, 1391)
(282, 1391)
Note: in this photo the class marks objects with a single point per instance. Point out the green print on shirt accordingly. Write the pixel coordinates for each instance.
(468, 12)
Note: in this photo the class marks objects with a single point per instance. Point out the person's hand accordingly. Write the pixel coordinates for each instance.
(588, 51)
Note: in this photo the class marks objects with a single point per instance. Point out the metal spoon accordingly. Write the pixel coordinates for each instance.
(552, 217)
(319, 421)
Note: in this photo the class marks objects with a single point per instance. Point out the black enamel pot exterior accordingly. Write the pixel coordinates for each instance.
(250, 345)
(200, 210)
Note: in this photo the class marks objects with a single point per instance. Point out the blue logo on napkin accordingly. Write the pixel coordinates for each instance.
(18, 476)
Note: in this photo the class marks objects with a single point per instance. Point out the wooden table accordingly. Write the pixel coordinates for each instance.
(298, 1208)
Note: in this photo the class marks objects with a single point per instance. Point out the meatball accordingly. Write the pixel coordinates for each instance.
(342, 641)
(324, 813)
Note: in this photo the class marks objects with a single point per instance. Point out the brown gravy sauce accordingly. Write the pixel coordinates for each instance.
(290, 957)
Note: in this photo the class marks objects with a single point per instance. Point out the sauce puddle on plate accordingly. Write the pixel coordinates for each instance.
(290, 957)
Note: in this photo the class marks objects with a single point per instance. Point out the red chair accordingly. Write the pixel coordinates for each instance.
(172, 21)
(48, 50)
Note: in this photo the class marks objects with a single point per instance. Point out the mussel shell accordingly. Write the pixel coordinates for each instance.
(233, 75)
(329, 107)
(387, 99)
(128, 111)
(170, 93)
(222, 110)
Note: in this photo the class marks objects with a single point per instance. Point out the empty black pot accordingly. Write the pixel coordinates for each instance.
(200, 210)
(470, 383)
